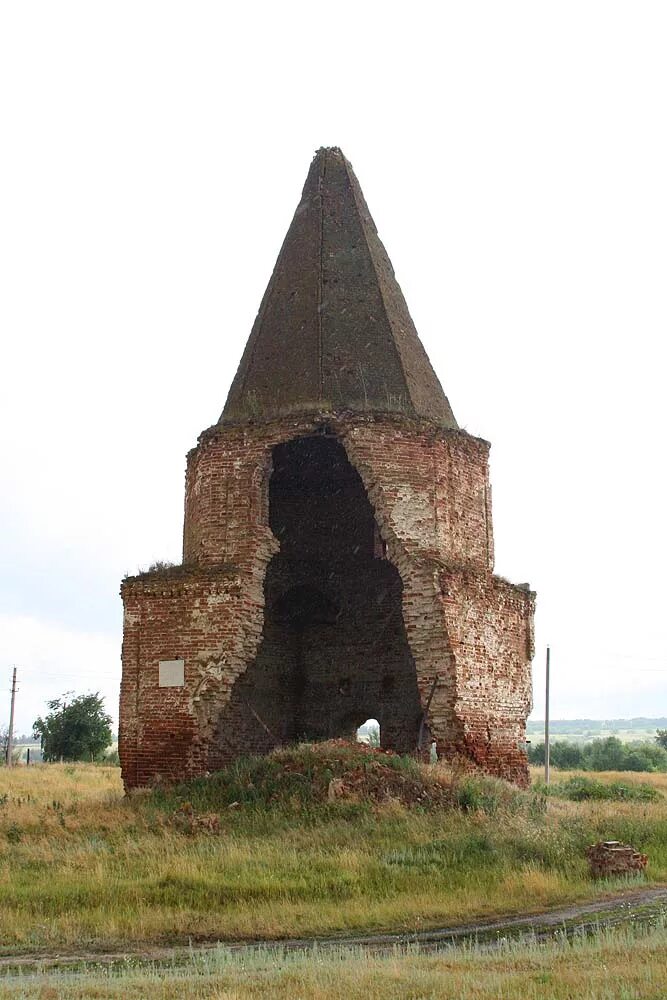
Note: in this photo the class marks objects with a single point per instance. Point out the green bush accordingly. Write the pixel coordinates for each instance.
(478, 793)
(562, 754)
(78, 729)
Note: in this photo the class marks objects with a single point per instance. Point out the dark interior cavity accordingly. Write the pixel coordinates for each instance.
(334, 650)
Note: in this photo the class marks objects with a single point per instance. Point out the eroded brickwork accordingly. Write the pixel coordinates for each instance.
(490, 627)
(419, 604)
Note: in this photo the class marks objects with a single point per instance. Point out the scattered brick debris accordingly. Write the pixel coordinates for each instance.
(611, 857)
(187, 820)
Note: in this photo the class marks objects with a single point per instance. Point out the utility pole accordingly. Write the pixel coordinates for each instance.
(10, 738)
(546, 726)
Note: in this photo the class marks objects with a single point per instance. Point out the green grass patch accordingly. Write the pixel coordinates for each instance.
(581, 789)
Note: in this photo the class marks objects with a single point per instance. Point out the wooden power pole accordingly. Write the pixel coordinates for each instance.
(546, 725)
(10, 736)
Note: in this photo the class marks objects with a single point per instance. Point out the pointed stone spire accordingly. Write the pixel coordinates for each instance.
(333, 330)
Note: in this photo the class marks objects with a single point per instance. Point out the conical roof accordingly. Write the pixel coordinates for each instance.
(333, 330)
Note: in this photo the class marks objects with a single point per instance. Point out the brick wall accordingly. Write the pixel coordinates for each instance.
(490, 627)
(421, 519)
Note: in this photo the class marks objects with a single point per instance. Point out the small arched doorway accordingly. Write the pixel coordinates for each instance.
(369, 733)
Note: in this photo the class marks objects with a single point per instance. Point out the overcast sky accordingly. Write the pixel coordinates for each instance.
(514, 157)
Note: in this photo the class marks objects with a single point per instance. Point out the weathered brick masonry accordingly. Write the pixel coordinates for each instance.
(338, 546)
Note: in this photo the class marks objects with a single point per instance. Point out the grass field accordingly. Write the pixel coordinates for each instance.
(584, 731)
(83, 867)
(620, 964)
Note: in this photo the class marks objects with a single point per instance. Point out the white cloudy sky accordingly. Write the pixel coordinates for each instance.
(514, 156)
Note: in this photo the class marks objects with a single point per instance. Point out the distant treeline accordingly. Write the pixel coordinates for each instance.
(596, 725)
(610, 754)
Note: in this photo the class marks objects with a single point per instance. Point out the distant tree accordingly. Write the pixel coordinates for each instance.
(562, 753)
(374, 736)
(605, 755)
(608, 754)
(79, 729)
(635, 760)
(661, 738)
(654, 754)
(566, 755)
(4, 746)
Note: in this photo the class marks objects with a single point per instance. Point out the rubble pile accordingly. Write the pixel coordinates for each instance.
(610, 857)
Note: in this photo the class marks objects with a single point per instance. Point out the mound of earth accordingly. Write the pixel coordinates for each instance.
(339, 769)
(315, 774)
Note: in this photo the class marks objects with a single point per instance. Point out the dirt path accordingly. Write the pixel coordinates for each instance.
(578, 918)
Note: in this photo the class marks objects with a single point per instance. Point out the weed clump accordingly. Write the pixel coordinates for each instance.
(13, 834)
(186, 820)
(580, 789)
(480, 793)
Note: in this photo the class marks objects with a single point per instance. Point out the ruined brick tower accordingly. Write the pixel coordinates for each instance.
(338, 549)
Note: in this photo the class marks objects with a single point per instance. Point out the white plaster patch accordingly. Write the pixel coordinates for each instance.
(413, 516)
(172, 673)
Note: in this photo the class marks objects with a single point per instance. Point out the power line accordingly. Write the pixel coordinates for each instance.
(10, 735)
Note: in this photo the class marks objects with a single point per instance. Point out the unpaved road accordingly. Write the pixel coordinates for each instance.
(605, 912)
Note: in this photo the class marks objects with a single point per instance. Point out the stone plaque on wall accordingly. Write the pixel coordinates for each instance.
(172, 673)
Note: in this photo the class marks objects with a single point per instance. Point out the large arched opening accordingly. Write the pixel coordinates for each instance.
(334, 650)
